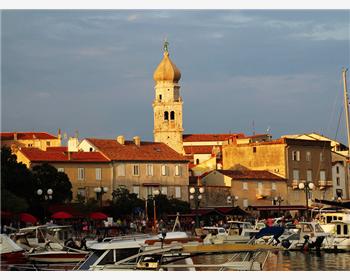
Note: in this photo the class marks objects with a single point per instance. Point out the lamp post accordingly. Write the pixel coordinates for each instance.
(307, 187)
(99, 193)
(231, 199)
(278, 200)
(196, 195)
(155, 193)
(45, 196)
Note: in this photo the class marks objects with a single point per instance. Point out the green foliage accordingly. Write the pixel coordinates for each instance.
(124, 203)
(47, 177)
(12, 203)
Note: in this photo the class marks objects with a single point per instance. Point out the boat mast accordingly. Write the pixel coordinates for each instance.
(346, 105)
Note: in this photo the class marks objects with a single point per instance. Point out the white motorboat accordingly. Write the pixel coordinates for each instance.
(307, 235)
(339, 239)
(10, 252)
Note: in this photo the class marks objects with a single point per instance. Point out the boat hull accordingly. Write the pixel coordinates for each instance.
(57, 257)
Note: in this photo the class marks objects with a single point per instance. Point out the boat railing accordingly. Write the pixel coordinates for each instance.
(125, 237)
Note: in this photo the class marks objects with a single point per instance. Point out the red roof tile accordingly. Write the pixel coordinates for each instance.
(147, 151)
(251, 174)
(26, 135)
(198, 149)
(57, 149)
(210, 137)
(37, 155)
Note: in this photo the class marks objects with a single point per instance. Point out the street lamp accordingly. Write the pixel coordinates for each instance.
(99, 193)
(47, 196)
(155, 192)
(196, 195)
(307, 187)
(231, 200)
(278, 200)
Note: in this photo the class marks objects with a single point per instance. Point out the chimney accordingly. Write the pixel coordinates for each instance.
(15, 136)
(137, 140)
(121, 139)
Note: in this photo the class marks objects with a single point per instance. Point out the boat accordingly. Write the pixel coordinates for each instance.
(58, 256)
(339, 239)
(179, 256)
(10, 252)
(306, 236)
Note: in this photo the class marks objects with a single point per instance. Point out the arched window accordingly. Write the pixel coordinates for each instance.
(172, 115)
(166, 115)
(197, 161)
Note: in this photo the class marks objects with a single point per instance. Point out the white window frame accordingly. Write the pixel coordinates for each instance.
(178, 170)
(136, 170)
(81, 174)
(165, 170)
(98, 172)
(260, 187)
(321, 156)
(308, 156)
(296, 174)
(245, 203)
(149, 169)
(177, 192)
(60, 169)
(121, 169)
(309, 175)
(322, 175)
(245, 186)
(296, 155)
(273, 186)
(136, 190)
(164, 190)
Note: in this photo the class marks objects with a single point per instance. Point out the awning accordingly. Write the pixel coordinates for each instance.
(277, 208)
(151, 184)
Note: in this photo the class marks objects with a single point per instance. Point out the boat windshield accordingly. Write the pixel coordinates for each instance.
(318, 228)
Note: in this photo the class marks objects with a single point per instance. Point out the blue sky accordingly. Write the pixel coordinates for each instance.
(92, 70)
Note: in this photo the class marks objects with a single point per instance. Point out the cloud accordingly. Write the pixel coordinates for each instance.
(324, 32)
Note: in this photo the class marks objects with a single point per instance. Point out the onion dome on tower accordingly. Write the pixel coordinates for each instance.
(166, 70)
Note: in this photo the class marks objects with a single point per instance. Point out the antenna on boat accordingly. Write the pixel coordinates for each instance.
(346, 105)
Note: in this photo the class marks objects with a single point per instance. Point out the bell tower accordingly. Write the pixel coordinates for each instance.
(167, 104)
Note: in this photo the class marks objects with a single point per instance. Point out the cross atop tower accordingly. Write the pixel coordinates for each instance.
(166, 44)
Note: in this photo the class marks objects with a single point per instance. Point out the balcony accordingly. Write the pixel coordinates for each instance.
(324, 184)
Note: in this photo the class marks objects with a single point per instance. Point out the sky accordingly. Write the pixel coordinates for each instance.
(242, 71)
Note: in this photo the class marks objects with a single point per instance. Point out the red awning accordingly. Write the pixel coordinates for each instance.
(28, 218)
(98, 216)
(61, 215)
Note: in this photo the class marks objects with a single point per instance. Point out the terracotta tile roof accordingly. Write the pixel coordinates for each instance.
(57, 149)
(26, 135)
(147, 151)
(37, 155)
(198, 149)
(251, 175)
(210, 137)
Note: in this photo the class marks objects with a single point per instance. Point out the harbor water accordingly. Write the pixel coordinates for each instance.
(293, 261)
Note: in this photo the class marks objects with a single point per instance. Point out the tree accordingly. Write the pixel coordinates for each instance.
(47, 177)
(15, 177)
(124, 202)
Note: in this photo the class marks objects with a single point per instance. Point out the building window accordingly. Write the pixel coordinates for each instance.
(121, 169)
(177, 192)
(135, 170)
(321, 156)
(254, 149)
(30, 145)
(296, 174)
(165, 170)
(81, 173)
(81, 193)
(164, 190)
(296, 155)
(160, 97)
(149, 170)
(197, 161)
(172, 115)
(245, 203)
(98, 174)
(48, 143)
(323, 175)
(166, 115)
(60, 169)
(136, 190)
(273, 186)
(337, 168)
(178, 170)
(308, 156)
(91, 149)
(260, 187)
(338, 181)
(309, 175)
(245, 186)
(339, 192)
